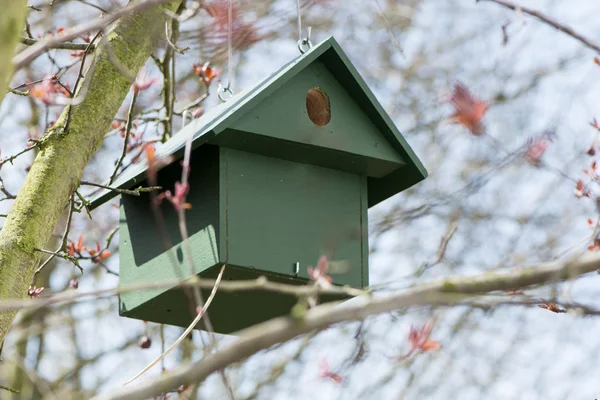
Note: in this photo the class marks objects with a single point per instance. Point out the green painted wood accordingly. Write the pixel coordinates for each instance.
(282, 212)
(222, 118)
(146, 255)
(297, 152)
(230, 311)
(364, 224)
(413, 172)
(269, 189)
(283, 115)
(242, 207)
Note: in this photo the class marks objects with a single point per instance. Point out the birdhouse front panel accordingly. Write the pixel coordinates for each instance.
(282, 216)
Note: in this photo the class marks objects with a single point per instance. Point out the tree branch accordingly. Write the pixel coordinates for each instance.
(31, 53)
(12, 21)
(64, 151)
(261, 283)
(547, 20)
(60, 46)
(265, 335)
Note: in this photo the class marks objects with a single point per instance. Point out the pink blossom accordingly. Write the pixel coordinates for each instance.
(34, 291)
(143, 81)
(536, 147)
(419, 340)
(319, 274)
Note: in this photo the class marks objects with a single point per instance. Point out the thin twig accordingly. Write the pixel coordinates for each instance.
(199, 100)
(10, 159)
(32, 52)
(127, 132)
(80, 91)
(180, 50)
(84, 205)
(97, 7)
(18, 93)
(547, 20)
(186, 332)
(30, 83)
(441, 248)
(9, 196)
(261, 283)
(63, 243)
(61, 46)
(9, 389)
(132, 192)
(185, 174)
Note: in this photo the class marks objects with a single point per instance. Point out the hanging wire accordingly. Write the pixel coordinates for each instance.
(223, 91)
(299, 20)
(304, 43)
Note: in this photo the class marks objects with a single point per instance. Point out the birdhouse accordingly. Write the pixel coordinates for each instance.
(280, 175)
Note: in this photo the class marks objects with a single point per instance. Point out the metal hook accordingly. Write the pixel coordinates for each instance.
(305, 44)
(185, 113)
(222, 91)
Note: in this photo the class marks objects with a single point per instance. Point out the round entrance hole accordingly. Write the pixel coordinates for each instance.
(318, 106)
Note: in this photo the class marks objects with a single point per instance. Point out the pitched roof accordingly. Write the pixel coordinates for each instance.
(219, 118)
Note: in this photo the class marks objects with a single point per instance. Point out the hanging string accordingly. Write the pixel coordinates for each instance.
(229, 45)
(304, 44)
(299, 20)
(223, 91)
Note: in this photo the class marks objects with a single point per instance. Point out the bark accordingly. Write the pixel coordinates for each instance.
(12, 21)
(67, 148)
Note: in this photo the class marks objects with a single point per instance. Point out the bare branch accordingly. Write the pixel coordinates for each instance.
(31, 53)
(261, 283)
(63, 242)
(126, 139)
(187, 330)
(547, 20)
(441, 249)
(61, 46)
(132, 192)
(265, 335)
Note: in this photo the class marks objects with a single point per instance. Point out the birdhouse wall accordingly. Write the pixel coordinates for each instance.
(280, 126)
(259, 216)
(279, 213)
(151, 247)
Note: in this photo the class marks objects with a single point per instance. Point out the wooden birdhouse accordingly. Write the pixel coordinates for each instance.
(280, 175)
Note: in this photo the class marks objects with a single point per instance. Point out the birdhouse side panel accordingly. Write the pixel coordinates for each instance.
(294, 112)
(151, 244)
(282, 216)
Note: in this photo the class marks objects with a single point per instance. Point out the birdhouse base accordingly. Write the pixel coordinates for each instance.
(230, 311)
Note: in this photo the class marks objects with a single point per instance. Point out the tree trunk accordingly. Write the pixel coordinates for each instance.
(67, 148)
(12, 21)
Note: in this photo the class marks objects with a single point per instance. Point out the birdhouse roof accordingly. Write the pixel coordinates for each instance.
(389, 163)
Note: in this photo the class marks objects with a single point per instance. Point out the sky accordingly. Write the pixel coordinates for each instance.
(517, 214)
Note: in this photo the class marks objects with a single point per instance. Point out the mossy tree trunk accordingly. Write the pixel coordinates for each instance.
(12, 21)
(64, 153)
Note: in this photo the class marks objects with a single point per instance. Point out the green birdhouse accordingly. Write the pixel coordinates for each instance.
(281, 174)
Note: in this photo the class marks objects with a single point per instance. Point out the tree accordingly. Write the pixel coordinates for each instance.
(462, 220)
(67, 147)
